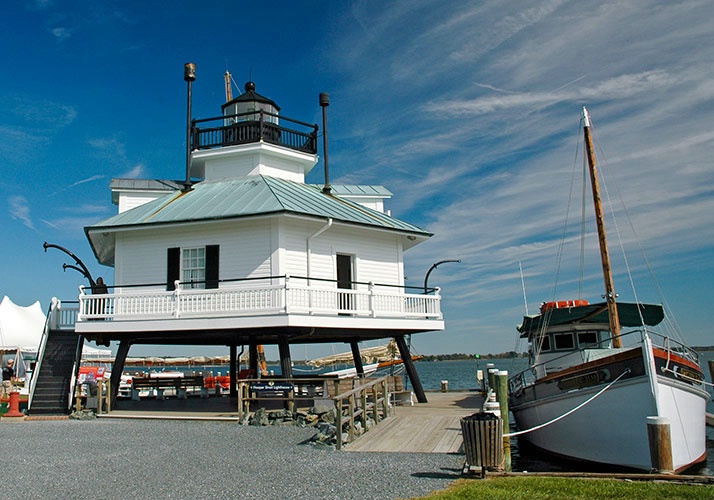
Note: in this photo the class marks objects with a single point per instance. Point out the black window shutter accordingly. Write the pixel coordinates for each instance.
(173, 267)
(212, 254)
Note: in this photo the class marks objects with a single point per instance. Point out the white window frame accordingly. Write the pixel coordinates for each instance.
(193, 267)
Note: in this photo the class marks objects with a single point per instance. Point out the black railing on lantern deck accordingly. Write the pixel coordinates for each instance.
(255, 126)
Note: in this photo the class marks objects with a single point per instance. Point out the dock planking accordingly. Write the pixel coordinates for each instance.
(433, 427)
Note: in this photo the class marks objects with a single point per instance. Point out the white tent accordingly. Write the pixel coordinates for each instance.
(20, 327)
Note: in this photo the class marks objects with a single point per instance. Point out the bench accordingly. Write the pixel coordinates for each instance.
(159, 384)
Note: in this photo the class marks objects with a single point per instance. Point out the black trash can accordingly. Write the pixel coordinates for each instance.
(483, 442)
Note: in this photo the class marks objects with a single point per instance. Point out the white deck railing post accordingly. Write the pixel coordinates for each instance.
(286, 295)
(177, 302)
(82, 303)
(372, 310)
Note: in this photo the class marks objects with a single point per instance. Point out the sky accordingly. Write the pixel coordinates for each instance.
(469, 114)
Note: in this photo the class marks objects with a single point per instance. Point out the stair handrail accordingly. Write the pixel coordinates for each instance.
(75, 370)
(55, 304)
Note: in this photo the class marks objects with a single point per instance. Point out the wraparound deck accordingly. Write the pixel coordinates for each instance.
(275, 303)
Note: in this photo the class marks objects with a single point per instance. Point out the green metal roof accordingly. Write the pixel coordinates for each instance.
(357, 190)
(237, 198)
(652, 314)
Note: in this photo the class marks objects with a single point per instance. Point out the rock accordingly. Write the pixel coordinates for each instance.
(321, 409)
(329, 417)
(85, 414)
(260, 418)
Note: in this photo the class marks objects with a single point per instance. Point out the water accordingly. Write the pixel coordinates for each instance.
(461, 375)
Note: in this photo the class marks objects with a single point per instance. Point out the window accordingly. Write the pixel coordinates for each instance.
(564, 341)
(195, 267)
(588, 339)
(545, 344)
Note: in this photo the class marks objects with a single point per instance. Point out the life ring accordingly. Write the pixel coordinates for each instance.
(562, 304)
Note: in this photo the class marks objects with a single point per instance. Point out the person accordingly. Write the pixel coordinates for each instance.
(8, 377)
(100, 288)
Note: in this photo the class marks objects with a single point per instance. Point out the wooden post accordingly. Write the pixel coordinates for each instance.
(338, 423)
(375, 405)
(501, 379)
(100, 395)
(351, 424)
(660, 441)
(411, 371)
(492, 378)
(108, 401)
(240, 400)
(117, 369)
(357, 358)
(233, 370)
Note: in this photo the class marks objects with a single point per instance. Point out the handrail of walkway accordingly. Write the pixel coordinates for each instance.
(357, 405)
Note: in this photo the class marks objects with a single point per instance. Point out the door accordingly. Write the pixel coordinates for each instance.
(344, 281)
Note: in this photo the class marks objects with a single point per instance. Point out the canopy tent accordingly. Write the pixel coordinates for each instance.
(20, 334)
(20, 327)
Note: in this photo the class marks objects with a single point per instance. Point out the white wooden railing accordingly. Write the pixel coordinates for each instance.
(243, 299)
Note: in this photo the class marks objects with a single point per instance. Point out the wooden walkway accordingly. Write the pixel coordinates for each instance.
(433, 427)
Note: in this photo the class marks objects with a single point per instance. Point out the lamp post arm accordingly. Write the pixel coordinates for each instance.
(85, 272)
(434, 266)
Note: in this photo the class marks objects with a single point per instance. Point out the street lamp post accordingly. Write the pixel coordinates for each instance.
(434, 266)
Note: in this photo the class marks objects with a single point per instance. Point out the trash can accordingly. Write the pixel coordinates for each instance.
(483, 441)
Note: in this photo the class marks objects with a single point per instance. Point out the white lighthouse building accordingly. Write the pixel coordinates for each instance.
(245, 253)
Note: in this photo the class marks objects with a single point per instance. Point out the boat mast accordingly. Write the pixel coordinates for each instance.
(610, 295)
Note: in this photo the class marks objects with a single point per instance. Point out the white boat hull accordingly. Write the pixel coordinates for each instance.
(612, 428)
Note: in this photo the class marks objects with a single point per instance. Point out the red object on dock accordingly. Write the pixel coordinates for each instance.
(14, 410)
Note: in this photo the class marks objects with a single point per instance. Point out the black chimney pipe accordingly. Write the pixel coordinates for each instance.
(189, 75)
(324, 102)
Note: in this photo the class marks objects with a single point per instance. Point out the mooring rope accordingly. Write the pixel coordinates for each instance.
(518, 433)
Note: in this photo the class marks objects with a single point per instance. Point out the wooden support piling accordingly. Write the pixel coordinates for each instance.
(501, 380)
(660, 441)
(411, 370)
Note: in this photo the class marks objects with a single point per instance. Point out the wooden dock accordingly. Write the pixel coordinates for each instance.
(433, 427)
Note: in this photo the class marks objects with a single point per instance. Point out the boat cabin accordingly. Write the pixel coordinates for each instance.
(562, 336)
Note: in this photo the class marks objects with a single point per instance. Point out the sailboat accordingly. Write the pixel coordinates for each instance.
(599, 370)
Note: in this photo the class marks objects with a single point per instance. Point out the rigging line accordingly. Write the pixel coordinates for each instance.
(606, 166)
(518, 433)
(583, 207)
(670, 319)
(561, 245)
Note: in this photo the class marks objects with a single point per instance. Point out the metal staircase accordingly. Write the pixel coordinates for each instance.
(55, 372)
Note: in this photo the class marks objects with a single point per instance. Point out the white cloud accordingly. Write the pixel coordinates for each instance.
(61, 34)
(136, 172)
(20, 210)
(471, 116)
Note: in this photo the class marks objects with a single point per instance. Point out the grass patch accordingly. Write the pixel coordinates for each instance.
(555, 488)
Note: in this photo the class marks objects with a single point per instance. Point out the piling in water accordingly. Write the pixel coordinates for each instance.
(501, 378)
(660, 441)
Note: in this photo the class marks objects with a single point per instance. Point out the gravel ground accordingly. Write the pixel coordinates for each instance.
(136, 459)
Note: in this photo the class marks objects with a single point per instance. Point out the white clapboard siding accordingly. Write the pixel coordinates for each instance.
(245, 250)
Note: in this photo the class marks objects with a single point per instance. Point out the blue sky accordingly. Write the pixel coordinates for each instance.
(468, 114)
